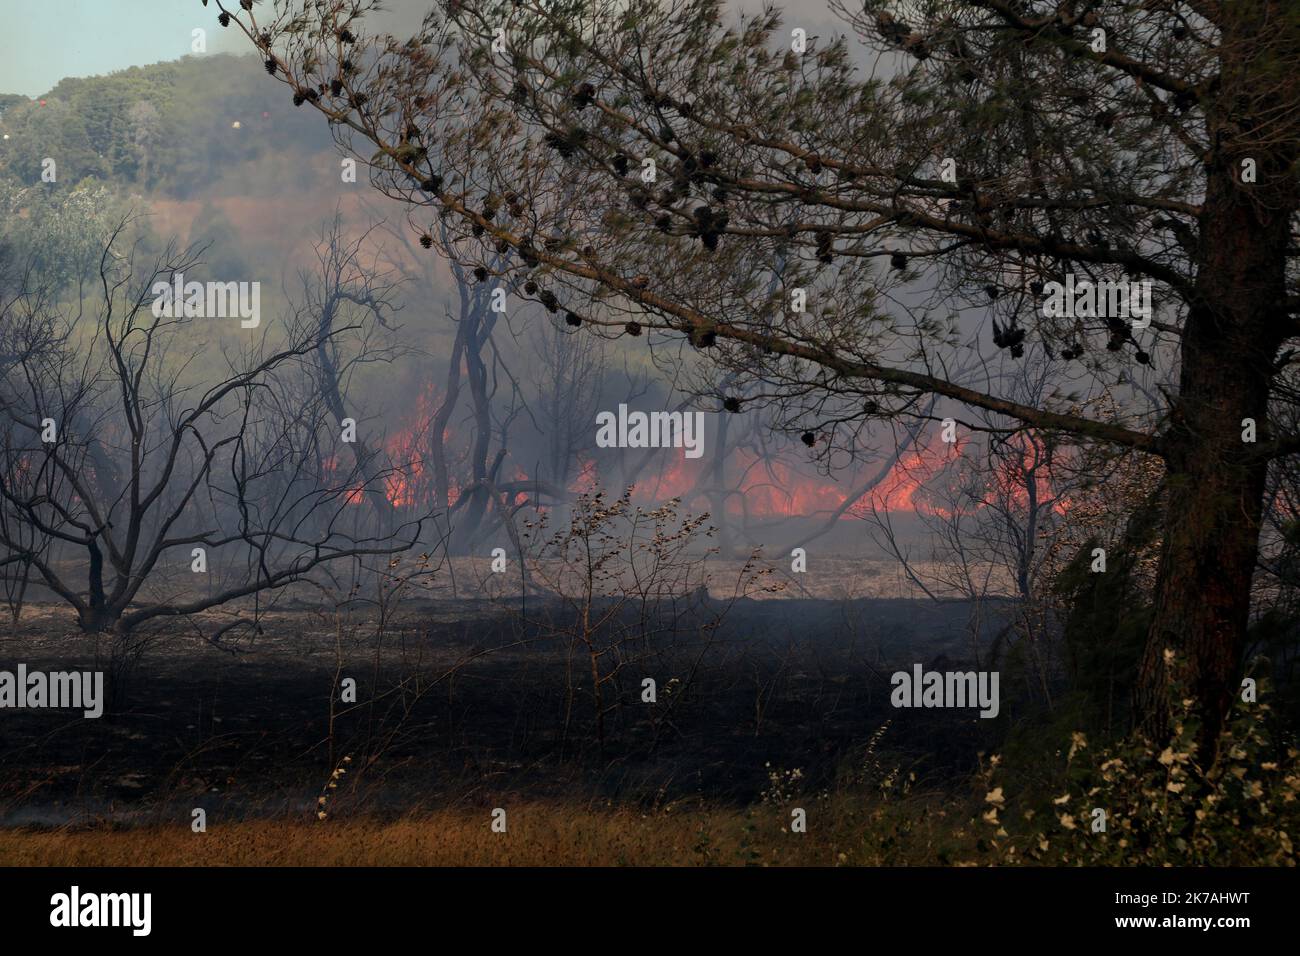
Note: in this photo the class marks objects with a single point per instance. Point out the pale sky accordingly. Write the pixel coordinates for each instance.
(43, 41)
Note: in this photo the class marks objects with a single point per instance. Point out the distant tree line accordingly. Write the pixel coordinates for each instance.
(164, 128)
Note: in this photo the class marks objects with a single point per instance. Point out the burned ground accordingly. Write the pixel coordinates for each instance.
(462, 702)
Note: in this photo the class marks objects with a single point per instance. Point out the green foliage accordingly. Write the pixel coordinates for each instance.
(166, 128)
(10, 100)
(1161, 807)
(1109, 616)
(61, 232)
(55, 131)
(1103, 636)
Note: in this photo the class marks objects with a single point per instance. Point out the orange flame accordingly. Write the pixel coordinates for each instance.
(756, 485)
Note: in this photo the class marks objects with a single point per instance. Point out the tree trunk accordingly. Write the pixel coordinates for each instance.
(442, 418)
(481, 323)
(96, 616)
(365, 457)
(1215, 478)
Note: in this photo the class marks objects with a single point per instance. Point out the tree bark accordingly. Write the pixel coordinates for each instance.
(1215, 478)
(96, 615)
(365, 457)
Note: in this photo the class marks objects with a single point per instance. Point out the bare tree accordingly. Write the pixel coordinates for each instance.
(27, 330)
(568, 382)
(467, 481)
(346, 292)
(120, 468)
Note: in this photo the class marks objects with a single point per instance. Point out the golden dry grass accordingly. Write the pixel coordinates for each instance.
(538, 834)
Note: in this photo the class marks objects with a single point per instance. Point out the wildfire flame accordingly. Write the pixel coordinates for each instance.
(921, 480)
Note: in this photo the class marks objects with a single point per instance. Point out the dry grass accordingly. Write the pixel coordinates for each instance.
(840, 832)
